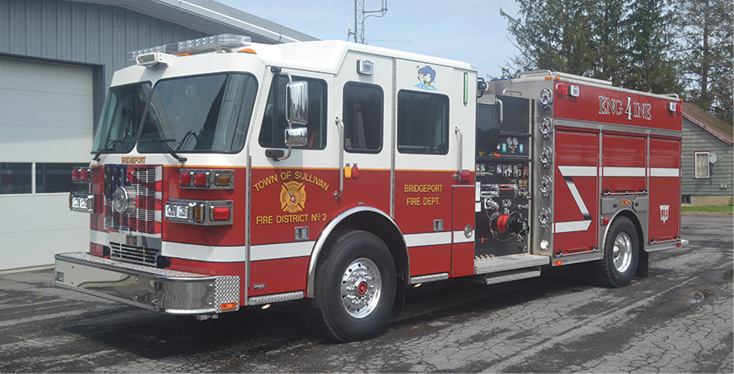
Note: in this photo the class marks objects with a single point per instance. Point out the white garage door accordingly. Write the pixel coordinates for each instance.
(46, 114)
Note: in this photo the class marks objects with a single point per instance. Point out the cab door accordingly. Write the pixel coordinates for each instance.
(364, 109)
(430, 135)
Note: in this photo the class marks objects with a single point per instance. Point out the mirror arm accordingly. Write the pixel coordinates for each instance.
(290, 123)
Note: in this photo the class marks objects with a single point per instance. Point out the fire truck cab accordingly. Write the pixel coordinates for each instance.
(228, 174)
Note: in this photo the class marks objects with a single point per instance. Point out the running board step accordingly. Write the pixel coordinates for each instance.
(511, 275)
(509, 262)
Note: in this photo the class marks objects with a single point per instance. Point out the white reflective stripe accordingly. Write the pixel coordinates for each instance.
(477, 207)
(577, 198)
(236, 253)
(431, 238)
(611, 171)
(664, 172)
(571, 226)
(99, 237)
(478, 192)
(203, 252)
(578, 171)
(281, 250)
(459, 237)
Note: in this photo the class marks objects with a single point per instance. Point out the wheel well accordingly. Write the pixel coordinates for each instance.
(386, 231)
(643, 255)
(635, 221)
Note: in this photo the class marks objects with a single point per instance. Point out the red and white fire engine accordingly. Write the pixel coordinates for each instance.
(228, 174)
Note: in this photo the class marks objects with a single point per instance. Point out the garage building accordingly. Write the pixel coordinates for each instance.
(57, 58)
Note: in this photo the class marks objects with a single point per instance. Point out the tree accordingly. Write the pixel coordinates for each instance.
(626, 41)
(650, 49)
(705, 31)
(608, 40)
(552, 35)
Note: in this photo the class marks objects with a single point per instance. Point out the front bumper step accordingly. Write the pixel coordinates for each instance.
(168, 291)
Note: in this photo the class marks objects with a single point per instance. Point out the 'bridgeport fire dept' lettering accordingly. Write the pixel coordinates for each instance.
(423, 188)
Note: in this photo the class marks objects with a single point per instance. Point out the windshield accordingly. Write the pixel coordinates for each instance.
(208, 113)
(118, 127)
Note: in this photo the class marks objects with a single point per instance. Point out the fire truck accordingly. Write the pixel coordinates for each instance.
(228, 174)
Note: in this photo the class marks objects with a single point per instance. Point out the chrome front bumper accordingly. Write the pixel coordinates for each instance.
(168, 291)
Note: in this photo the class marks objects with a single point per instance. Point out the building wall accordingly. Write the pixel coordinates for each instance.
(716, 190)
(82, 33)
(57, 58)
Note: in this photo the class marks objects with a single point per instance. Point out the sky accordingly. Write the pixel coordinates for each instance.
(466, 30)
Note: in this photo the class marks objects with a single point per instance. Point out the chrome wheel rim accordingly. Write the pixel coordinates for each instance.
(622, 252)
(361, 288)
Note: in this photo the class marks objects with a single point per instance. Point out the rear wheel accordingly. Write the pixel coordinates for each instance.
(621, 254)
(354, 289)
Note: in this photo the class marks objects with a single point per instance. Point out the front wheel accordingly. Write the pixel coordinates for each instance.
(621, 254)
(354, 289)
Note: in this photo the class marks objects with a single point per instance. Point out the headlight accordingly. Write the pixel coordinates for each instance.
(81, 202)
(199, 212)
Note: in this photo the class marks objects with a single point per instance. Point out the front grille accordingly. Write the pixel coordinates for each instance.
(145, 180)
(134, 254)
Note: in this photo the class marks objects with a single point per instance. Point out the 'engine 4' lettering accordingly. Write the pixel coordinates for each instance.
(632, 109)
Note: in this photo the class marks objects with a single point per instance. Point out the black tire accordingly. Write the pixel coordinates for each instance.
(354, 288)
(621, 254)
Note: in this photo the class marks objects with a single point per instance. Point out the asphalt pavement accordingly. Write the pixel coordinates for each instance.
(679, 319)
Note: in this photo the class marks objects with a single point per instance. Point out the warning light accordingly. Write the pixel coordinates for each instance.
(675, 107)
(558, 263)
(227, 306)
(355, 172)
(220, 213)
(604, 221)
(348, 172)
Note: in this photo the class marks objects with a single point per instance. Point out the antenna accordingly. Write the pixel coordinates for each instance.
(360, 14)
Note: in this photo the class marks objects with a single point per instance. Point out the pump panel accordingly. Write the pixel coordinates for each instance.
(503, 177)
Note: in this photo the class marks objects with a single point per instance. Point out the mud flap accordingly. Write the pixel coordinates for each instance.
(643, 264)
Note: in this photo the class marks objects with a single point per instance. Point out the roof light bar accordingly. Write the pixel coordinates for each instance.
(218, 43)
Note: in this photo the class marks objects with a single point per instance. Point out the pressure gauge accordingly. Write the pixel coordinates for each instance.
(509, 141)
(515, 142)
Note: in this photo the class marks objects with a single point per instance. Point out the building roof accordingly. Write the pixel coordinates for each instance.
(211, 17)
(711, 124)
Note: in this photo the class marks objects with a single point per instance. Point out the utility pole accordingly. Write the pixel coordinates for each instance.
(360, 14)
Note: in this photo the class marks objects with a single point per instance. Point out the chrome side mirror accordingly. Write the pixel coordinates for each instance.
(296, 136)
(296, 110)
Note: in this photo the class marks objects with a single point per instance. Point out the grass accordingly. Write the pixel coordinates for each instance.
(715, 209)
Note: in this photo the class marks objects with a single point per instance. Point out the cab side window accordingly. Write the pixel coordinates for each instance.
(423, 123)
(363, 118)
(272, 131)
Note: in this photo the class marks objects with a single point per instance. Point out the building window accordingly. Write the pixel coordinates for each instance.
(423, 123)
(685, 199)
(362, 118)
(56, 177)
(701, 165)
(15, 178)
